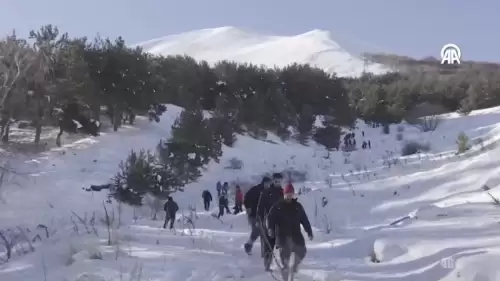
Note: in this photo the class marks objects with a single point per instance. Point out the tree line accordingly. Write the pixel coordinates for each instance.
(50, 73)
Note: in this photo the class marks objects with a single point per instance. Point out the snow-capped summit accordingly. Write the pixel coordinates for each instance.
(315, 47)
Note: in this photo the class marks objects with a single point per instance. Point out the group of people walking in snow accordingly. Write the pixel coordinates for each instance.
(223, 198)
(274, 215)
(350, 142)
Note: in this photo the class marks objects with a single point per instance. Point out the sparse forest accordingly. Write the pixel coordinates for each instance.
(52, 79)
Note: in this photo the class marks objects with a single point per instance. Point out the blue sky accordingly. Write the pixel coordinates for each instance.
(411, 27)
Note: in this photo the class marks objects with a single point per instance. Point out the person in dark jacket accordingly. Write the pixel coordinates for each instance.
(225, 188)
(170, 209)
(268, 198)
(223, 205)
(238, 200)
(218, 187)
(283, 223)
(251, 201)
(223, 198)
(207, 198)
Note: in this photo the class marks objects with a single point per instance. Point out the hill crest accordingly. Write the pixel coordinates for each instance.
(315, 47)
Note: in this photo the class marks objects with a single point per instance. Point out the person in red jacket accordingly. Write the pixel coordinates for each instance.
(238, 200)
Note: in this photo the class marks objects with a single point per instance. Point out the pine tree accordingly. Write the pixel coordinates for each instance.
(137, 177)
(182, 160)
(224, 122)
(305, 124)
(192, 145)
(192, 131)
(284, 114)
(188, 126)
(328, 135)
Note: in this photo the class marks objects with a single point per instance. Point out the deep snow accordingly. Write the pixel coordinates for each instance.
(451, 232)
(315, 47)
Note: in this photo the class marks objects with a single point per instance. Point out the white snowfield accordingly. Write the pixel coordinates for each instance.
(315, 47)
(451, 230)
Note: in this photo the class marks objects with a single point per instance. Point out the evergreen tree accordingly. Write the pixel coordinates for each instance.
(328, 136)
(305, 124)
(223, 128)
(192, 145)
(182, 161)
(192, 130)
(224, 122)
(284, 114)
(140, 175)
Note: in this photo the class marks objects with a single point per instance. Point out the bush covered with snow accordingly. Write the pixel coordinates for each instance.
(385, 250)
(235, 164)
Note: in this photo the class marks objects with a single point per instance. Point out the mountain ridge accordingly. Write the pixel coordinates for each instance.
(315, 47)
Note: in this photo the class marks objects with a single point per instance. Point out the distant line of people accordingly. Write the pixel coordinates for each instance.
(349, 141)
(366, 145)
(223, 199)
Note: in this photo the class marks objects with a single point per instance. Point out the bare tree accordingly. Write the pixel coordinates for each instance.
(43, 84)
(16, 58)
(425, 116)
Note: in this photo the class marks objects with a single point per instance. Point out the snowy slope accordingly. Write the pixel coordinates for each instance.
(451, 232)
(315, 47)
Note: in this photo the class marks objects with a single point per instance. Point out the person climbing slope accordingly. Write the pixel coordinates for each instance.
(238, 200)
(268, 198)
(170, 209)
(225, 193)
(218, 187)
(251, 201)
(223, 205)
(207, 198)
(283, 224)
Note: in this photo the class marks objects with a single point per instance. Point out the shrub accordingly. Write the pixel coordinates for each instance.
(462, 143)
(425, 116)
(426, 124)
(414, 147)
(386, 129)
(235, 164)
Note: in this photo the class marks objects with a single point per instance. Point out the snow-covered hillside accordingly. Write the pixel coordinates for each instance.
(315, 47)
(448, 230)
